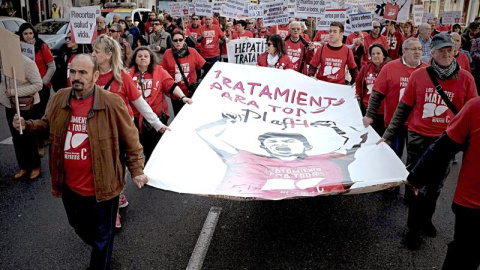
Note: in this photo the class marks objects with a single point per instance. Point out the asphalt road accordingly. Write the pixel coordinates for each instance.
(160, 229)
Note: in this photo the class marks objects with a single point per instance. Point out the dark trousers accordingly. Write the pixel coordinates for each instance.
(44, 97)
(177, 105)
(398, 143)
(209, 64)
(421, 207)
(148, 139)
(463, 252)
(25, 146)
(94, 223)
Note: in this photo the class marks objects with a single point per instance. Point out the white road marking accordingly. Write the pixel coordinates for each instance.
(7, 141)
(203, 242)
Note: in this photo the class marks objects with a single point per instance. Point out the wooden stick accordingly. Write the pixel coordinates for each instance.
(17, 106)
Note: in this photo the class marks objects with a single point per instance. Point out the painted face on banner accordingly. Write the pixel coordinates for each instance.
(284, 146)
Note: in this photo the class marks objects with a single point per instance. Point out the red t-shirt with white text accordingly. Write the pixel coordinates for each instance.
(463, 61)
(77, 153)
(210, 42)
(333, 61)
(128, 92)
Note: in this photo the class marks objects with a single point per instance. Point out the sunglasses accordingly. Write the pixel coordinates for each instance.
(376, 27)
(177, 40)
(68, 38)
(129, 20)
(195, 19)
(298, 29)
(269, 44)
(113, 31)
(157, 24)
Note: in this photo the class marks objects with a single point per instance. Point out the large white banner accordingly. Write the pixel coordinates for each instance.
(264, 133)
(83, 23)
(393, 10)
(245, 50)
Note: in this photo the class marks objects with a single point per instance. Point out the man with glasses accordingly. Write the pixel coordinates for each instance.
(195, 30)
(298, 49)
(390, 85)
(134, 31)
(428, 116)
(251, 27)
(373, 37)
(101, 26)
(160, 40)
(210, 40)
(115, 32)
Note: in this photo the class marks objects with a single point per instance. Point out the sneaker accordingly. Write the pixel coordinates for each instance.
(118, 224)
(122, 201)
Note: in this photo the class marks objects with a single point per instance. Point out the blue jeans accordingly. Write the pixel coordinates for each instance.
(398, 143)
(94, 223)
(209, 64)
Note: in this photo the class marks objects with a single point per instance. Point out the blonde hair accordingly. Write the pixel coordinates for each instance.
(111, 45)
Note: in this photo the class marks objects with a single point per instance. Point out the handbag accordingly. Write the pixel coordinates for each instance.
(440, 91)
(24, 103)
(147, 126)
(191, 87)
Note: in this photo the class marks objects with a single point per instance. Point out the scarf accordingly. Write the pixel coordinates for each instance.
(182, 52)
(446, 73)
(272, 60)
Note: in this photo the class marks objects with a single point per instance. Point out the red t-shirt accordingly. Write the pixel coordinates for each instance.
(354, 35)
(368, 40)
(394, 42)
(391, 82)
(333, 61)
(195, 33)
(42, 58)
(210, 42)
(465, 128)
(295, 51)
(190, 64)
(247, 33)
(128, 92)
(283, 31)
(77, 152)
(430, 114)
(153, 86)
(365, 80)
(322, 35)
(463, 61)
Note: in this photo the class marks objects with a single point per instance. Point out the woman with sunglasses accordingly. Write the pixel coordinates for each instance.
(276, 55)
(160, 40)
(190, 61)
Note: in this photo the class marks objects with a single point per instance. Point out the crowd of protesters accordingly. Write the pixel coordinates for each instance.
(389, 64)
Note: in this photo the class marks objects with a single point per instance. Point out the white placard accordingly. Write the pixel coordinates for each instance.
(451, 17)
(179, 9)
(393, 10)
(361, 21)
(217, 5)
(275, 13)
(245, 50)
(428, 16)
(310, 8)
(417, 14)
(83, 23)
(255, 11)
(28, 50)
(234, 9)
(204, 9)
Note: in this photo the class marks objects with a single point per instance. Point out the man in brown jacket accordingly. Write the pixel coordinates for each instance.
(92, 139)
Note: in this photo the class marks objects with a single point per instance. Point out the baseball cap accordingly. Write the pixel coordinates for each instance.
(442, 40)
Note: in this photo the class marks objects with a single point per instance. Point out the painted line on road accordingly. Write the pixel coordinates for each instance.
(203, 242)
(7, 141)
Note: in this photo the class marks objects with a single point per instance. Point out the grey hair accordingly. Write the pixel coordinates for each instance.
(408, 41)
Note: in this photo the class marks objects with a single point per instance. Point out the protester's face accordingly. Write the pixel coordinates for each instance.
(376, 28)
(240, 27)
(178, 41)
(129, 21)
(124, 26)
(143, 58)
(406, 28)
(444, 56)
(152, 16)
(377, 56)
(100, 24)
(425, 31)
(335, 34)
(82, 76)
(250, 25)
(114, 33)
(413, 52)
(116, 18)
(457, 39)
(28, 35)
(195, 20)
(100, 55)
(457, 29)
(295, 30)
(284, 146)
(473, 32)
(208, 21)
(432, 23)
(157, 26)
(69, 42)
(270, 48)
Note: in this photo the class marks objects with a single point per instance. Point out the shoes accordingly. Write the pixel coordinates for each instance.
(41, 151)
(118, 224)
(412, 240)
(122, 201)
(455, 161)
(429, 230)
(20, 174)
(35, 173)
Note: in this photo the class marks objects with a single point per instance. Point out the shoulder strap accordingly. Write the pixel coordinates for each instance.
(440, 91)
(107, 86)
(181, 70)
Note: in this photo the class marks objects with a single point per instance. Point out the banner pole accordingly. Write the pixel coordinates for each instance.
(17, 106)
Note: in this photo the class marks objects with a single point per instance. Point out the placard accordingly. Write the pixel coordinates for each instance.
(28, 50)
(204, 9)
(361, 21)
(83, 23)
(275, 13)
(245, 50)
(179, 9)
(234, 9)
(310, 8)
(417, 14)
(10, 56)
(451, 17)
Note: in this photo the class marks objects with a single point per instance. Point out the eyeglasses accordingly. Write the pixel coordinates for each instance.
(157, 24)
(195, 19)
(68, 38)
(269, 44)
(178, 40)
(113, 31)
(419, 49)
(129, 20)
(376, 27)
(298, 29)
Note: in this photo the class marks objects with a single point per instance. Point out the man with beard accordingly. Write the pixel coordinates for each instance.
(92, 139)
(101, 26)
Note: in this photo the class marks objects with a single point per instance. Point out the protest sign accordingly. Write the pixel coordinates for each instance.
(310, 8)
(28, 50)
(203, 9)
(255, 10)
(83, 23)
(164, 6)
(451, 17)
(428, 16)
(322, 23)
(394, 10)
(11, 57)
(234, 9)
(250, 135)
(365, 5)
(179, 9)
(336, 15)
(361, 21)
(275, 13)
(217, 5)
(245, 50)
(417, 14)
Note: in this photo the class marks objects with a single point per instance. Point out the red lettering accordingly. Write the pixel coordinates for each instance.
(239, 99)
(226, 81)
(227, 95)
(293, 123)
(285, 93)
(265, 91)
(216, 85)
(288, 110)
(218, 73)
(239, 86)
(253, 103)
(299, 111)
(317, 102)
(253, 86)
(300, 98)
